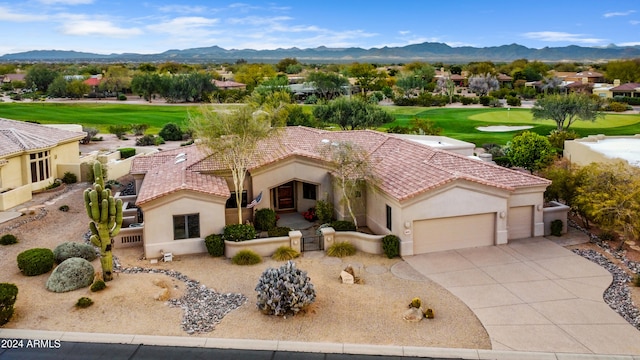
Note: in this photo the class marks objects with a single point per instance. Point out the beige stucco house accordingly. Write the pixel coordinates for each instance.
(431, 198)
(32, 156)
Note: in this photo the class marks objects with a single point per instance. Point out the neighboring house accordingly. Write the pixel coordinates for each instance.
(94, 82)
(32, 156)
(603, 149)
(229, 85)
(432, 199)
(628, 89)
(9, 78)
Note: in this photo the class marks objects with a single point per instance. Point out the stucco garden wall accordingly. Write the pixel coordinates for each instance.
(158, 224)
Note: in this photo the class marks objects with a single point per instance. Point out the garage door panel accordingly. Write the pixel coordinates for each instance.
(520, 222)
(451, 233)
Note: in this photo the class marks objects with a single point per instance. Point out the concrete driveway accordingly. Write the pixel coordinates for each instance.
(534, 295)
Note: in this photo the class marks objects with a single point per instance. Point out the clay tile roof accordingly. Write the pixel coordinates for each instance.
(403, 168)
(171, 176)
(19, 136)
(92, 81)
(626, 87)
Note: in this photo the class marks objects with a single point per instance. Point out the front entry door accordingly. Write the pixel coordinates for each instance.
(285, 196)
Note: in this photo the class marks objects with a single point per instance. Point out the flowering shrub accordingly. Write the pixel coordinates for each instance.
(310, 214)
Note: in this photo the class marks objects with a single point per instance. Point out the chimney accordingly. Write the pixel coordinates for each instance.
(616, 82)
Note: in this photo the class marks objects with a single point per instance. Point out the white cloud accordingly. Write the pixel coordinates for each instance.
(78, 25)
(557, 36)
(183, 9)
(404, 32)
(618, 13)
(634, 22)
(636, 43)
(66, 2)
(6, 14)
(185, 26)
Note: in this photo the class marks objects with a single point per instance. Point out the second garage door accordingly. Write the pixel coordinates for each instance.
(453, 233)
(520, 222)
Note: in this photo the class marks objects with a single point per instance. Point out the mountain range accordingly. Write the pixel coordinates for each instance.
(428, 51)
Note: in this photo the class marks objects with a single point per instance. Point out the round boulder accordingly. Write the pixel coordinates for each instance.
(71, 274)
(68, 250)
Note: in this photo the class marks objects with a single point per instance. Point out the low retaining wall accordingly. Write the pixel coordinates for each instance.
(367, 243)
(264, 247)
(15, 197)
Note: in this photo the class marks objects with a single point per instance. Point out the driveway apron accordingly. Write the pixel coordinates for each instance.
(534, 295)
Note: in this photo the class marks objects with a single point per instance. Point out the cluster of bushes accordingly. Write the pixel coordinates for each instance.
(627, 99)
(343, 225)
(8, 239)
(127, 152)
(149, 140)
(8, 296)
(425, 99)
(35, 261)
(264, 219)
(616, 106)
(279, 231)
(239, 232)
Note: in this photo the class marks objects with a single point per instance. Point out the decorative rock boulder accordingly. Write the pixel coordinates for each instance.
(71, 274)
(71, 249)
(413, 314)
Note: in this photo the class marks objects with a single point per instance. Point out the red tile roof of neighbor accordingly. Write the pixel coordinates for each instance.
(92, 81)
(626, 87)
(403, 168)
(19, 136)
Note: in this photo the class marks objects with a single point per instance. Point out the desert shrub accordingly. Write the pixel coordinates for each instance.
(8, 296)
(54, 184)
(98, 285)
(513, 101)
(35, 261)
(239, 232)
(279, 231)
(607, 236)
(285, 253)
(465, 100)
(486, 100)
(171, 132)
(416, 303)
(139, 129)
(556, 227)
(64, 208)
(91, 133)
(68, 250)
(264, 219)
(429, 314)
(146, 140)
(84, 302)
(286, 290)
(557, 138)
(616, 106)
(119, 130)
(246, 257)
(341, 249)
(343, 225)
(127, 152)
(8, 239)
(71, 274)
(324, 211)
(391, 246)
(214, 244)
(69, 178)
(122, 97)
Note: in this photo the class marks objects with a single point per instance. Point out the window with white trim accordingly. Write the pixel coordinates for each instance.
(186, 226)
(40, 167)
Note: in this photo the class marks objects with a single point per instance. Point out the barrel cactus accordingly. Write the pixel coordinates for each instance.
(285, 290)
(105, 213)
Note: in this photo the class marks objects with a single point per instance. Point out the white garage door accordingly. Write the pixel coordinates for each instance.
(520, 222)
(453, 233)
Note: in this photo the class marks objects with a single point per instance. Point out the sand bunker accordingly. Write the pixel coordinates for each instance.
(502, 128)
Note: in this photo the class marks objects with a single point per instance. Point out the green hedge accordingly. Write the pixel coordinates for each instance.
(264, 219)
(239, 232)
(214, 244)
(391, 246)
(127, 152)
(343, 225)
(35, 261)
(8, 296)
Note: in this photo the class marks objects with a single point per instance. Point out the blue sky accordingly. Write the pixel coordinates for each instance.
(118, 26)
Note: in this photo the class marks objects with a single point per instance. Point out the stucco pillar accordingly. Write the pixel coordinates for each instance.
(538, 227)
(295, 238)
(502, 233)
(328, 237)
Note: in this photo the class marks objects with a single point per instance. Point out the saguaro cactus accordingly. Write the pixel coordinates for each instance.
(106, 219)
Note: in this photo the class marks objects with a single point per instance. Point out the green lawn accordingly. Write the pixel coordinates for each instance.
(458, 123)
